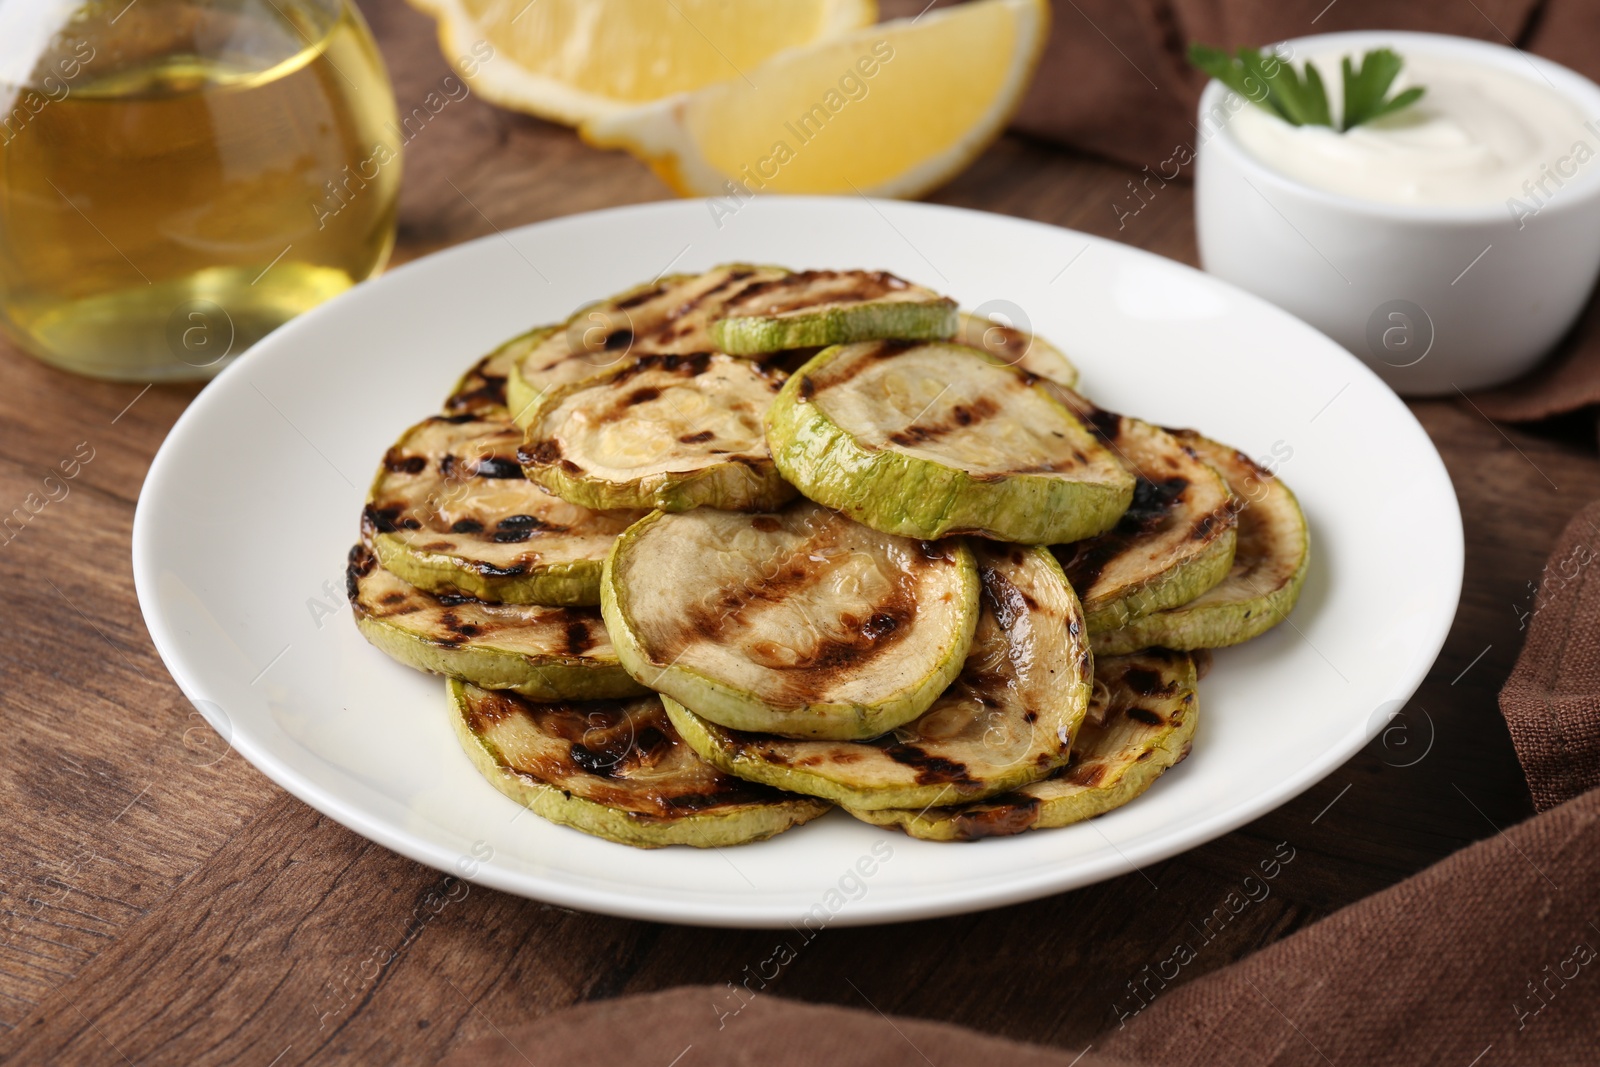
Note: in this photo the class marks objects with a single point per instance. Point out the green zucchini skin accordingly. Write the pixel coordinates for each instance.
(1027, 352)
(541, 652)
(571, 583)
(672, 461)
(1268, 570)
(1143, 724)
(450, 512)
(485, 389)
(1007, 720)
(728, 486)
(615, 770)
(669, 316)
(815, 308)
(905, 490)
(755, 335)
(1176, 540)
(1178, 585)
(719, 632)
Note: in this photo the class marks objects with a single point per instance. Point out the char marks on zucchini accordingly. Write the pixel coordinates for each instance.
(1007, 719)
(797, 622)
(615, 769)
(482, 390)
(665, 431)
(671, 316)
(805, 290)
(932, 439)
(1017, 348)
(1175, 541)
(1267, 569)
(826, 307)
(548, 653)
(450, 512)
(1141, 723)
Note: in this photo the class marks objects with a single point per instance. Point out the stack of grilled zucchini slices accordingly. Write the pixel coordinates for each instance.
(730, 549)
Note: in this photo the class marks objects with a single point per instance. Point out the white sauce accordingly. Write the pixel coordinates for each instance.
(1478, 136)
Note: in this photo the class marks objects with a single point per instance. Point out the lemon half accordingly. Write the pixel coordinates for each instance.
(888, 110)
(576, 60)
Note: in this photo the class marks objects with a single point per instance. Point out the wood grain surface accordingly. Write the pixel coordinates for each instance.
(163, 902)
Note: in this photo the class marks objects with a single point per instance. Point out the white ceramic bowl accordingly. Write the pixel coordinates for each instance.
(1385, 280)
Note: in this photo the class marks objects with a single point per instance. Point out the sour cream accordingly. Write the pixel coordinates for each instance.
(1478, 136)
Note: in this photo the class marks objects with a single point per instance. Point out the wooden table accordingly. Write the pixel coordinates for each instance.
(162, 908)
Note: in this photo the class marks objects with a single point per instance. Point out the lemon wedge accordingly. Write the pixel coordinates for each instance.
(575, 60)
(888, 110)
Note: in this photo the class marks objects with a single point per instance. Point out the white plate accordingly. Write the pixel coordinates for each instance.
(249, 508)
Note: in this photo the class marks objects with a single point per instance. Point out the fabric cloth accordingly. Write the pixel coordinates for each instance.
(1492, 950)
(1552, 699)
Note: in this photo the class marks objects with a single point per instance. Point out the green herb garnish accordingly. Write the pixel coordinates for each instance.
(1302, 100)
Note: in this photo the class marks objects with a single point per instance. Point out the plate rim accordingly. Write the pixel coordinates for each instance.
(1044, 880)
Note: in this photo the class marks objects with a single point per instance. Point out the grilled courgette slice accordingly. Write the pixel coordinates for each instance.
(927, 440)
(1007, 720)
(615, 769)
(1175, 541)
(668, 432)
(1017, 348)
(1269, 566)
(482, 391)
(799, 623)
(1141, 723)
(670, 316)
(830, 307)
(540, 652)
(451, 513)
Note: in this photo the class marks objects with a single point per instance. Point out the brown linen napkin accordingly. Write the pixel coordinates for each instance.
(1552, 699)
(1493, 948)
(1491, 956)
(1438, 969)
(1113, 81)
(650, 1029)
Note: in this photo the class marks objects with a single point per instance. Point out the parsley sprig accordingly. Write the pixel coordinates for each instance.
(1301, 99)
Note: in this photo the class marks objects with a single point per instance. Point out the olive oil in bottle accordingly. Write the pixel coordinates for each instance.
(178, 178)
